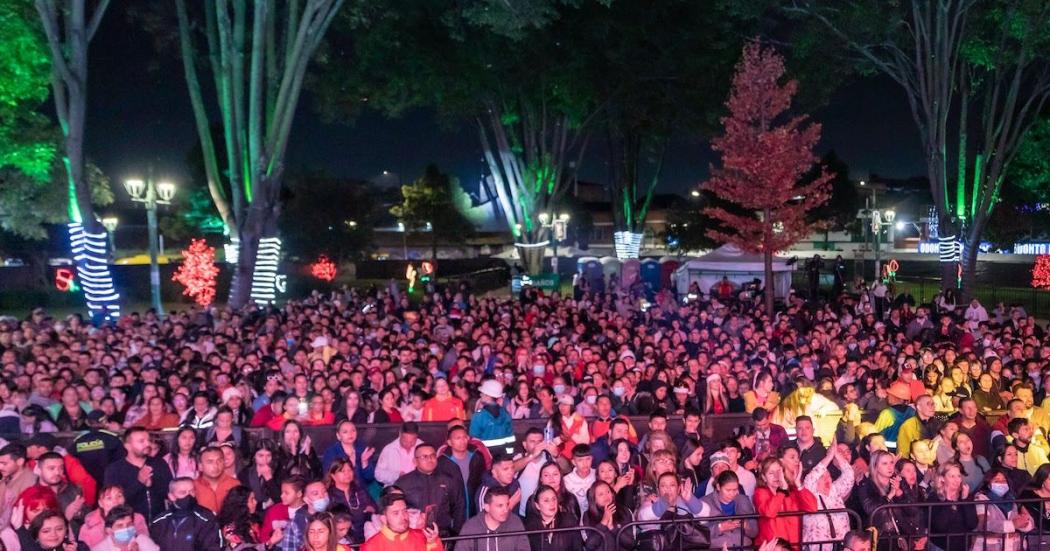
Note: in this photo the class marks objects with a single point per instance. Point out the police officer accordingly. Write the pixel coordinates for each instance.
(185, 525)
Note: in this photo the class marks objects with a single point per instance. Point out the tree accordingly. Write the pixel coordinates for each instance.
(764, 156)
(507, 71)
(976, 75)
(69, 30)
(428, 203)
(1041, 272)
(198, 272)
(663, 76)
(27, 139)
(258, 62)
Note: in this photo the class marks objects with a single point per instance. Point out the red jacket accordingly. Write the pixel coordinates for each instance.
(77, 475)
(769, 504)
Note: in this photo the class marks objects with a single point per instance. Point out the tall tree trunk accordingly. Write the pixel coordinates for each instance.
(531, 259)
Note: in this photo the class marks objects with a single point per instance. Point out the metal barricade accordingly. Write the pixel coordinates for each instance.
(978, 539)
(642, 526)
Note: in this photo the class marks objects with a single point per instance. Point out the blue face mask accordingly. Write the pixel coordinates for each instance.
(538, 369)
(558, 389)
(124, 535)
(321, 504)
(619, 391)
(999, 489)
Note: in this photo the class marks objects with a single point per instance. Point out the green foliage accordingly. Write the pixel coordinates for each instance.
(430, 200)
(28, 204)
(27, 142)
(1030, 171)
(192, 215)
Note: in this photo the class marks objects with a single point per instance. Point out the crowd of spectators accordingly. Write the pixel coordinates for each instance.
(160, 457)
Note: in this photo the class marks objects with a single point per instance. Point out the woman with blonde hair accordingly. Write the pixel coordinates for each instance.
(947, 516)
(656, 441)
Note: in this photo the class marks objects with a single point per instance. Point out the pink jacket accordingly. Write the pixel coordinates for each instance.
(94, 529)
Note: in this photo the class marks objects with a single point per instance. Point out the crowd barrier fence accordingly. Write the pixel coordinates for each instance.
(640, 526)
(973, 540)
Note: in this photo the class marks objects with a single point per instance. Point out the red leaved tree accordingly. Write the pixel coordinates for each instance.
(764, 155)
(1041, 272)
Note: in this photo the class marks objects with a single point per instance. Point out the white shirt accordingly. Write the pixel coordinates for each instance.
(395, 461)
(529, 480)
(578, 486)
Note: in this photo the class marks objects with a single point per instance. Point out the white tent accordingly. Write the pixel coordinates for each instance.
(739, 266)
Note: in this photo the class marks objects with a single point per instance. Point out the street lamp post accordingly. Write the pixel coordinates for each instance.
(151, 194)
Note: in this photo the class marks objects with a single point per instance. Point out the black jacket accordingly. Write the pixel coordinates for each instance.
(439, 490)
(194, 528)
(475, 472)
(569, 540)
(146, 501)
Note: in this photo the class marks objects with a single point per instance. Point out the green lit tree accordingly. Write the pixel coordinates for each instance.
(976, 75)
(506, 69)
(427, 205)
(69, 26)
(257, 54)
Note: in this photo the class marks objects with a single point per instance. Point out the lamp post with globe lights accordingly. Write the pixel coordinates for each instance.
(110, 223)
(559, 227)
(151, 194)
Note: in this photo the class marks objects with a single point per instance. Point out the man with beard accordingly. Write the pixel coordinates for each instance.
(145, 479)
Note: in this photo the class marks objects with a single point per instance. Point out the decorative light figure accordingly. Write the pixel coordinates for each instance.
(264, 279)
(89, 252)
(324, 269)
(198, 272)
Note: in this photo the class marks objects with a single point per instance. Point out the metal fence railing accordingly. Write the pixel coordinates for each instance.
(639, 527)
(1011, 536)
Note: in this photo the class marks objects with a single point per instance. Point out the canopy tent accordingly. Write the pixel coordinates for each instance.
(739, 266)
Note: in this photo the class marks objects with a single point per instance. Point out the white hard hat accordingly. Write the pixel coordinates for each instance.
(492, 388)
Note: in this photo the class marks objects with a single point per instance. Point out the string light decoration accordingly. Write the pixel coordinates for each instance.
(324, 269)
(1041, 272)
(627, 244)
(198, 272)
(89, 252)
(264, 279)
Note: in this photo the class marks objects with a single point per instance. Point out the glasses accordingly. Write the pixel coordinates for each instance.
(427, 456)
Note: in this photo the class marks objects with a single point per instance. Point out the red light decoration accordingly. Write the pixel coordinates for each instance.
(65, 280)
(198, 272)
(1041, 272)
(324, 269)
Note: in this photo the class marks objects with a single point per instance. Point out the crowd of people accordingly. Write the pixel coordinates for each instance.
(861, 412)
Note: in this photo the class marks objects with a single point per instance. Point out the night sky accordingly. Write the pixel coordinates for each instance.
(139, 113)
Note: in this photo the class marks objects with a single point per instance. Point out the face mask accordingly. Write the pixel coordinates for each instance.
(320, 504)
(538, 369)
(124, 535)
(619, 391)
(493, 409)
(184, 503)
(999, 489)
(592, 400)
(559, 389)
